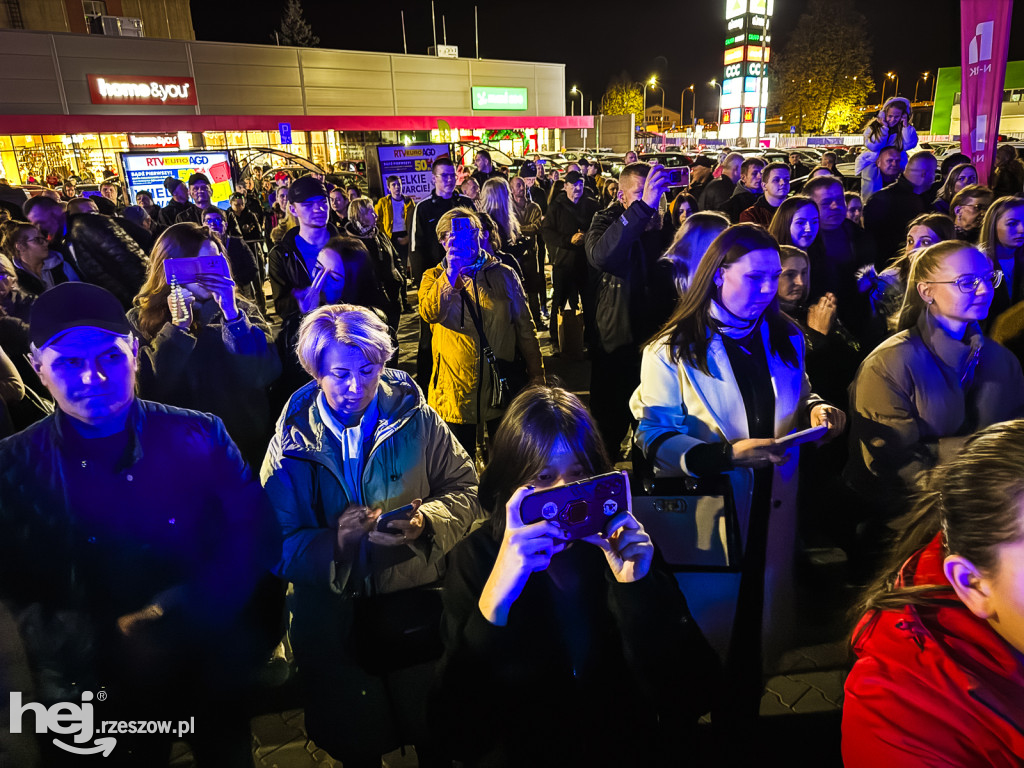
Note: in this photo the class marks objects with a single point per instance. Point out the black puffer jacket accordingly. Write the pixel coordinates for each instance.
(383, 256)
(105, 255)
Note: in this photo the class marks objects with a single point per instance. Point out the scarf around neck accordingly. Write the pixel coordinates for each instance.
(727, 324)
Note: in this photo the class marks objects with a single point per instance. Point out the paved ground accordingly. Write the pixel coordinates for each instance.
(802, 702)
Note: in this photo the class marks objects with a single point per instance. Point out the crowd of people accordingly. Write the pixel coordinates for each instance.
(180, 448)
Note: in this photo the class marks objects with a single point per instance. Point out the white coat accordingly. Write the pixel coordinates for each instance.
(691, 407)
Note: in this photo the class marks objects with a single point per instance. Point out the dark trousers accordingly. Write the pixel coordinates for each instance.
(614, 376)
(403, 262)
(424, 356)
(466, 434)
(565, 288)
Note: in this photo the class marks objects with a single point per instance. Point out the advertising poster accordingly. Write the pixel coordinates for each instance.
(412, 165)
(984, 40)
(147, 171)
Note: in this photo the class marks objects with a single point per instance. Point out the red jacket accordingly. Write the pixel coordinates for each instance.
(932, 686)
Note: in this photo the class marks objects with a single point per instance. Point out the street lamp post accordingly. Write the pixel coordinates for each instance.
(888, 76)
(580, 94)
(652, 83)
(718, 111)
(693, 109)
(918, 83)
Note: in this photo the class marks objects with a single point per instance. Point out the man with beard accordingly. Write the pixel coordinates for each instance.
(635, 293)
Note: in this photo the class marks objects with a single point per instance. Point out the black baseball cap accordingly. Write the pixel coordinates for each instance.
(305, 189)
(702, 161)
(573, 177)
(528, 170)
(171, 183)
(75, 305)
(195, 178)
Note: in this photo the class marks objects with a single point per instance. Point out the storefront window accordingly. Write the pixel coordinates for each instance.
(214, 140)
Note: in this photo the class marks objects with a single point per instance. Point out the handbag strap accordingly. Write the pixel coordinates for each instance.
(485, 347)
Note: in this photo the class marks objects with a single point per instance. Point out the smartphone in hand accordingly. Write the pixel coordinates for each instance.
(402, 513)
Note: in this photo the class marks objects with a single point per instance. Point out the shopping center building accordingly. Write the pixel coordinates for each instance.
(71, 102)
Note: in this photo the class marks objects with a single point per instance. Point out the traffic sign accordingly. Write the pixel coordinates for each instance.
(285, 130)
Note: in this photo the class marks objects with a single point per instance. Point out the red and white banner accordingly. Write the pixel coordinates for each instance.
(984, 39)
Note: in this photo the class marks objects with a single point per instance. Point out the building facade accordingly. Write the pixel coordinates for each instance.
(73, 101)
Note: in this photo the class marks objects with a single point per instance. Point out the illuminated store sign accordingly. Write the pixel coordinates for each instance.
(128, 89)
(153, 141)
(499, 98)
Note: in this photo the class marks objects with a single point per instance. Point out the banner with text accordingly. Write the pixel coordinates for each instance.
(411, 163)
(984, 39)
(147, 171)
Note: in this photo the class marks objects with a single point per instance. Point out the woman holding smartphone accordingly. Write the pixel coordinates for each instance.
(468, 287)
(590, 641)
(719, 385)
(202, 345)
(353, 445)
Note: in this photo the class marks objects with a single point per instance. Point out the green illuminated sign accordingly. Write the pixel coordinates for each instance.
(499, 98)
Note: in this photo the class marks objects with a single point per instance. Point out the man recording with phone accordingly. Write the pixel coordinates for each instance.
(634, 293)
(133, 542)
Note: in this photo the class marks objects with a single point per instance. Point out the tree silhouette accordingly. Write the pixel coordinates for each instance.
(823, 76)
(295, 30)
(622, 97)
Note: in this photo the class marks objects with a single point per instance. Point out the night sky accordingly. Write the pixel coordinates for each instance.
(681, 42)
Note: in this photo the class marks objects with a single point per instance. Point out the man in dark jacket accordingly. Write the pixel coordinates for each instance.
(291, 262)
(635, 294)
(564, 230)
(775, 183)
(426, 252)
(135, 544)
(797, 169)
(484, 167)
(177, 204)
(892, 208)
(840, 249)
(201, 192)
(746, 192)
(700, 175)
(717, 192)
(96, 247)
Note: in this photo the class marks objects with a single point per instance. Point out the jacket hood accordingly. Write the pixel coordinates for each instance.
(301, 424)
(351, 229)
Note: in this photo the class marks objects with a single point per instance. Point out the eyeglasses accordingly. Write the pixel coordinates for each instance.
(36, 239)
(970, 283)
(977, 206)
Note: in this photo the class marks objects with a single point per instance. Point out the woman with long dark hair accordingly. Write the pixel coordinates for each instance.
(203, 345)
(585, 628)
(719, 384)
(939, 677)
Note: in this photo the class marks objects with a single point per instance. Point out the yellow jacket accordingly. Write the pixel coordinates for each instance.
(507, 322)
(386, 214)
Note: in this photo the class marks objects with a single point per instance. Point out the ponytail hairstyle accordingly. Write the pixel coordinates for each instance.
(924, 265)
(974, 500)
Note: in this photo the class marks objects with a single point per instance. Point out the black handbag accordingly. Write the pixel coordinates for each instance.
(508, 377)
(398, 629)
